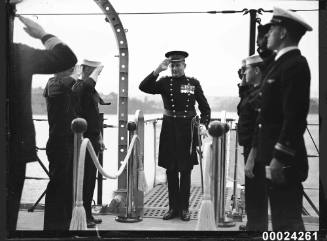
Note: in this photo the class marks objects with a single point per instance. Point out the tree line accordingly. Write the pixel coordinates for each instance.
(149, 106)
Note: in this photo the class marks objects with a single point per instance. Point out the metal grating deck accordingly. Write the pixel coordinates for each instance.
(156, 202)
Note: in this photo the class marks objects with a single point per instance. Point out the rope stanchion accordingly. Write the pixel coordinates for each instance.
(206, 220)
(81, 145)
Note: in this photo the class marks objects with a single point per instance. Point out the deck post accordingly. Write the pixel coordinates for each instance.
(218, 131)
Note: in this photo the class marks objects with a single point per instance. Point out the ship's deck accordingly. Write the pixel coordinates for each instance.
(155, 205)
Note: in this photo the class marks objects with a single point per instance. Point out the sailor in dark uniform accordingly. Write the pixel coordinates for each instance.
(256, 199)
(256, 202)
(282, 120)
(178, 137)
(59, 149)
(86, 100)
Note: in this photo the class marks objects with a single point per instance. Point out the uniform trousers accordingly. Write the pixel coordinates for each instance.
(15, 183)
(286, 206)
(178, 189)
(90, 172)
(256, 197)
(59, 195)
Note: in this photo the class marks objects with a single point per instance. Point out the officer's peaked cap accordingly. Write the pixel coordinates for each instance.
(176, 56)
(91, 63)
(290, 20)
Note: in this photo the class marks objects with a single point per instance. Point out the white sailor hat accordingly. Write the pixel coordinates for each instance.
(253, 59)
(91, 63)
(289, 20)
(243, 62)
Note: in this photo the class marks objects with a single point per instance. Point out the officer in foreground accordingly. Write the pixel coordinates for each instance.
(282, 120)
(178, 137)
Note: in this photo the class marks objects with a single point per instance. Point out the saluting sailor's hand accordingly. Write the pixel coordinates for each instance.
(96, 72)
(32, 28)
(162, 67)
(77, 72)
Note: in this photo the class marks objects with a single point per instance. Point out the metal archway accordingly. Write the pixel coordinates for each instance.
(119, 31)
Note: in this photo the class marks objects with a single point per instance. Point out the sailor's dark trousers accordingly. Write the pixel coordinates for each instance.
(90, 172)
(59, 195)
(179, 189)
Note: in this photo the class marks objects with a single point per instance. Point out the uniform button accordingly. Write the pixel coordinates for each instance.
(171, 84)
(259, 125)
(188, 100)
(184, 116)
(171, 89)
(260, 93)
(174, 116)
(259, 110)
(171, 94)
(189, 94)
(174, 111)
(173, 105)
(186, 105)
(172, 100)
(185, 111)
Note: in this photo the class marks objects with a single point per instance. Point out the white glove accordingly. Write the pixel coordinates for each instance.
(203, 130)
(32, 28)
(96, 72)
(77, 72)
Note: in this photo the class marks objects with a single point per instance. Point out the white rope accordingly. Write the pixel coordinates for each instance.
(86, 143)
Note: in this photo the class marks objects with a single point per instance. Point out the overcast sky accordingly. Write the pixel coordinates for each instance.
(216, 42)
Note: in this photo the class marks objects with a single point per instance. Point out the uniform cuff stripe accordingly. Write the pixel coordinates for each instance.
(284, 149)
(52, 42)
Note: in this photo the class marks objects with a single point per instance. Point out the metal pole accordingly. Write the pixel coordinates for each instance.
(100, 157)
(235, 169)
(253, 15)
(155, 150)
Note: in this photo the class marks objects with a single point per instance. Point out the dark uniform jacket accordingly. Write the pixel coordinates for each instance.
(247, 110)
(26, 61)
(58, 94)
(282, 119)
(87, 99)
(249, 107)
(179, 96)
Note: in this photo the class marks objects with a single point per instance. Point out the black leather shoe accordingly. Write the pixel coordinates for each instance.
(185, 216)
(96, 220)
(90, 224)
(170, 214)
(242, 227)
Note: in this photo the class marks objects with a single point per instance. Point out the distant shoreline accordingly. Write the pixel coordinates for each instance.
(150, 106)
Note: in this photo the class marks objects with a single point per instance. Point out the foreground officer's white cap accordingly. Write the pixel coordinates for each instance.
(289, 19)
(253, 60)
(91, 63)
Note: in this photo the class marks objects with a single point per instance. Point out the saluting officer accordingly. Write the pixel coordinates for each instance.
(178, 137)
(282, 120)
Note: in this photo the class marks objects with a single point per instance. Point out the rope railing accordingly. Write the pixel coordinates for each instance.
(81, 145)
(86, 143)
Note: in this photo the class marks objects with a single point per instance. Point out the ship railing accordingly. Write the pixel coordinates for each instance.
(237, 202)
